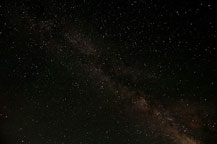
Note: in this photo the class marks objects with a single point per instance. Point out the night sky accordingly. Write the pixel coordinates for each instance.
(108, 72)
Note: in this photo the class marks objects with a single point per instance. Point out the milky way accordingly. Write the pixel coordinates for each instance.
(65, 83)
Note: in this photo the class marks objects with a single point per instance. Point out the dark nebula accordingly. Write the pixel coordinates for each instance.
(108, 72)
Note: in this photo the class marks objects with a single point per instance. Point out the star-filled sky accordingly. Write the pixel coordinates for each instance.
(108, 72)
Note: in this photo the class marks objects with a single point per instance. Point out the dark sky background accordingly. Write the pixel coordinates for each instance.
(107, 72)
